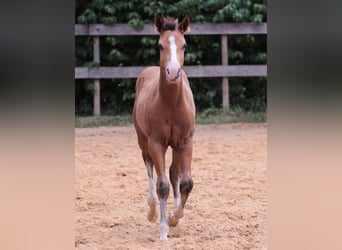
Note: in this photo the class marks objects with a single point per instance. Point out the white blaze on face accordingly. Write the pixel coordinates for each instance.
(173, 49)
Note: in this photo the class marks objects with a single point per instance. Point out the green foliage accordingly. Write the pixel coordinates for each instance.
(117, 95)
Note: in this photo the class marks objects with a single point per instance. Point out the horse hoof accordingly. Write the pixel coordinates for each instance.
(164, 231)
(152, 214)
(152, 217)
(163, 237)
(172, 220)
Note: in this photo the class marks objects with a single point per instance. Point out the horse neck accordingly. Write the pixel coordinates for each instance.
(172, 94)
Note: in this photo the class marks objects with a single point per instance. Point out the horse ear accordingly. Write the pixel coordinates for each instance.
(184, 26)
(159, 23)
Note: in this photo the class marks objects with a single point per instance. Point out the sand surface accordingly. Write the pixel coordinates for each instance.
(227, 208)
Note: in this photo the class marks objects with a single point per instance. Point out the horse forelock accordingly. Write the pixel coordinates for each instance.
(169, 23)
(169, 26)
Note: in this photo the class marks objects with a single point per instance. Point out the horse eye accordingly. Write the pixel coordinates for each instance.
(160, 47)
(184, 46)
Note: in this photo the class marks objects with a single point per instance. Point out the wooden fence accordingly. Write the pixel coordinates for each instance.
(224, 70)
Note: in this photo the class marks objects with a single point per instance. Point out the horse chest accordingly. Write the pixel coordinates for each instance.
(177, 136)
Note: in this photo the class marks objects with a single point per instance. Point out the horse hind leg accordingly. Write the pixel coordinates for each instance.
(178, 208)
(152, 214)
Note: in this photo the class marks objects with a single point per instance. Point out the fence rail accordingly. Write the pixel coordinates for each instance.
(224, 70)
(191, 71)
(196, 29)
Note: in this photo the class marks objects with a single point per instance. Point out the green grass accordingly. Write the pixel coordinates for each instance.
(208, 116)
(103, 121)
(235, 115)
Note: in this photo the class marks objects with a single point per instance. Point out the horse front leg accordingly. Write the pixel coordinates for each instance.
(180, 175)
(174, 173)
(158, 155)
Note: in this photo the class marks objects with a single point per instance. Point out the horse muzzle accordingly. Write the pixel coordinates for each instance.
(173, 74)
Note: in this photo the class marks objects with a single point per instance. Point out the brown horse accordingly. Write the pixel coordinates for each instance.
(164, 115)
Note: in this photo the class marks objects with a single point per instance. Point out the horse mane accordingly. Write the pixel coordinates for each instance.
(169, 23)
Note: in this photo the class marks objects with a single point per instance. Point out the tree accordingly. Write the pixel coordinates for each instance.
(117, 95)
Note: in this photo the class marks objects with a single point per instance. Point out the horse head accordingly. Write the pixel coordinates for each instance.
(171, 46)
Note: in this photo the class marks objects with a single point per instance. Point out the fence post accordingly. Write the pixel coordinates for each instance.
(225, 82)
(97, 88)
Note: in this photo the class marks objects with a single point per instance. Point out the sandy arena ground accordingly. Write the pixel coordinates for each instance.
(226, 209)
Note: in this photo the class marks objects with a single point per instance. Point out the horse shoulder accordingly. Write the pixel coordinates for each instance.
(145, 77)
(146, 91)
(188, 93)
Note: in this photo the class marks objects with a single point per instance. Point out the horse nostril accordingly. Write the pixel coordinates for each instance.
(178, 73)
(168, 72)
